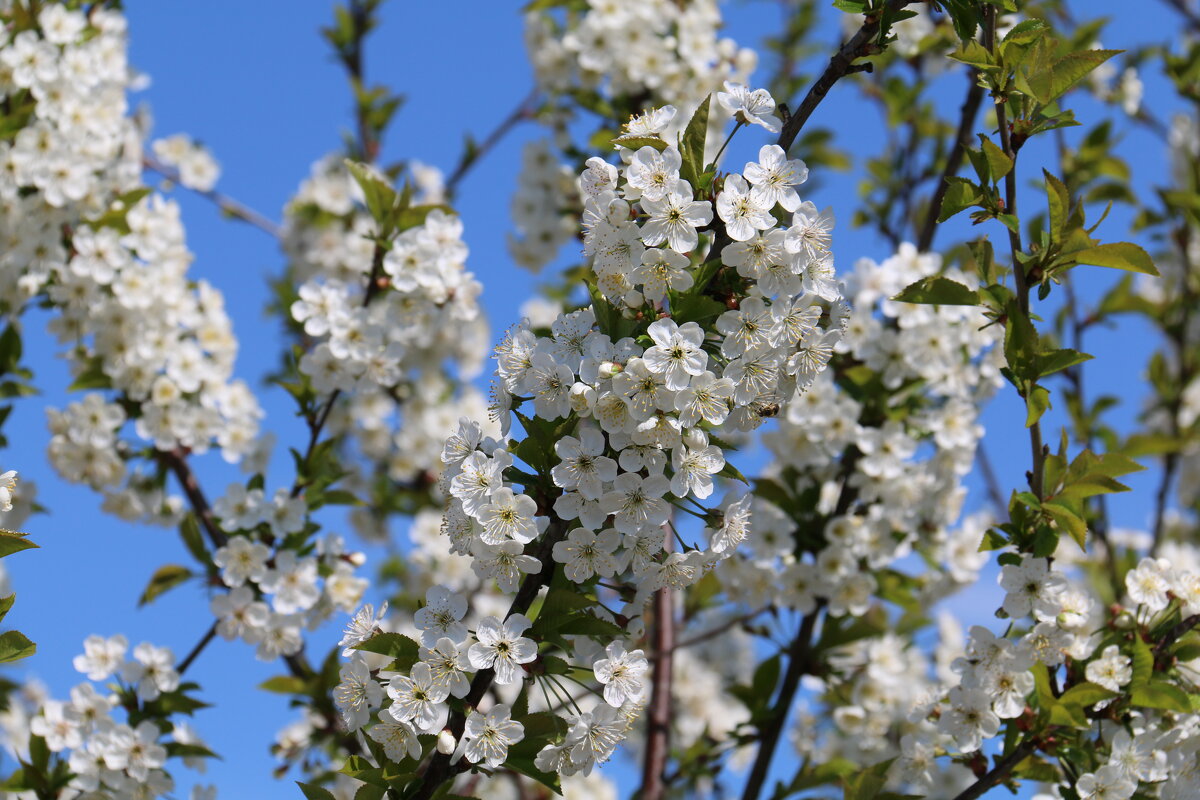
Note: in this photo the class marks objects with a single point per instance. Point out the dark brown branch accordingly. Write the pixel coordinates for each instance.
(994, 493)
(318, 423)
(473, 155)
(962, 138)
(440, 769)
(1190, 16)
(1014, 242)
(999, 772)
(1175, 634)
(176, 461)
(841, 65)
(199, 648)
(798, 665)
(658, 720)
(228, 205)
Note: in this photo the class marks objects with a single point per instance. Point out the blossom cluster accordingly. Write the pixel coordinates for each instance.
(84, 234)
(398, 352)
(629, 426)
(628, 53)
(108, 754)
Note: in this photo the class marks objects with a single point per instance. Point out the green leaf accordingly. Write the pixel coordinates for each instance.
(937, 290)
(1054, 81)
(638, 142)
(6, 603)
(181, 750)
(14, 646)
(399, 647)
(961, 194)
(999, 164)
(1085, 695)
(1118, 255)
(868, 783)
(851, 6)
(13, 542)
(312, 792)
(1143, 662)
(1055, 360)
(992, 540)
(691, 144)
(1036, 404)
(369, 792)
(164, 578)
(379, 196)
(1161, 695)
(1059, 200)
(189, 531)
(285, 684)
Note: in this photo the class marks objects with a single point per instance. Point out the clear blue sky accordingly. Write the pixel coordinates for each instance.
(256, 83)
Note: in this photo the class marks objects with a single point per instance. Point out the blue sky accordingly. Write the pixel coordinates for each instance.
(256, 83)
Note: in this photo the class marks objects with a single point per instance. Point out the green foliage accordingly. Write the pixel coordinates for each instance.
(165, 578)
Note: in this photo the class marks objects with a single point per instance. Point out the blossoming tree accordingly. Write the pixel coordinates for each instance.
(717, 493)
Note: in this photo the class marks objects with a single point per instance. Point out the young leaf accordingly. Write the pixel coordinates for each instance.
(691, 144)
(938, 291)
(1118, 255)
(14, 646)
(164, 578)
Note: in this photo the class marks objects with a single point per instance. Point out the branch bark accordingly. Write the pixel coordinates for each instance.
(840, 65)
(440, 768)
(962, 138)
(798, 665)
(999, 772)
(658, 721)
(227, 204)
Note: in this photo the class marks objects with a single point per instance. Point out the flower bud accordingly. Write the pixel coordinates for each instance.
(445, 742)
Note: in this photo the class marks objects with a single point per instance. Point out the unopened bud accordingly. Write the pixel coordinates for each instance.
(446, 742)
(609, 368)
(1124, 621)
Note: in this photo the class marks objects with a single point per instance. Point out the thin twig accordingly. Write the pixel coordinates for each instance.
(798, 665)
(962, 138)
(1175, 633)
(841, 65)
(374, 286)
(1190, 16)
(440, 769)
(999, 772)
(1014, 243)
(992, 484)
(473, 155)
(228, 206)
(176, 461)
(200, 645)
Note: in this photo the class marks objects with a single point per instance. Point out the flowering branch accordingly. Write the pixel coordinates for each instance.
(840, 65)
(999, 772)
(473, 153)
(658, 721)
(229, 206)
(798, 665)
(962, 138)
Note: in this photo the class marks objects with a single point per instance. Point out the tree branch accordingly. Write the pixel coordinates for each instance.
(658, 720)
(176, 461)
(999, 772)
(199, 648)
(798, 665)
(840, 65)
(962, 138)
(472, 155)
(228, 205)
(1175, 633)
(440, 769)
